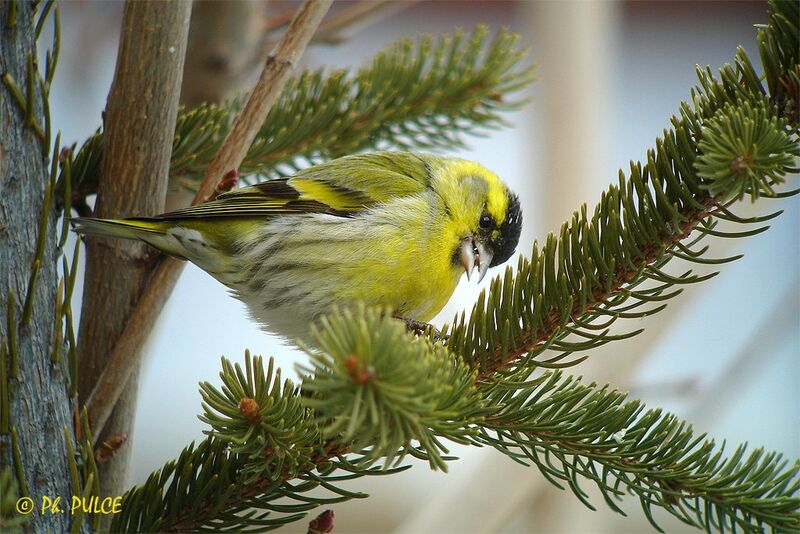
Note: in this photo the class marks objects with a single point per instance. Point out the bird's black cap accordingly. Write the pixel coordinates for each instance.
(510, 230)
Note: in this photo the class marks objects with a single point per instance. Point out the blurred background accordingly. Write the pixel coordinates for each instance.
(725, 355)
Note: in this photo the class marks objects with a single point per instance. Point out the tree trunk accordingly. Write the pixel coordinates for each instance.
(39, 406)
(139, 128)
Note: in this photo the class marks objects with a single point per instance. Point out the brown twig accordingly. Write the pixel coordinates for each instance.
(329, 32)
(353, 13)
(273, 78)
(366, 11)
(125, 356)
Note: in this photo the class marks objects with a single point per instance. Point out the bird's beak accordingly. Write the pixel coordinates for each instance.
(474, 252)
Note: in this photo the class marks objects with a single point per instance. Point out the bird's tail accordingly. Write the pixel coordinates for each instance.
(120, 228)
(170, 237)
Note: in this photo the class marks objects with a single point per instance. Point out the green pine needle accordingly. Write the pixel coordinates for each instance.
(426, 93)
(377, 387)
(261, 418)
(745, 151)
(209, 489)
(609, 263)
(574, 432)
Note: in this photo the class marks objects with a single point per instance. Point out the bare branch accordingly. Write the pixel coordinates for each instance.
(140, 123)
(363, 12)
(330, 31)
(273, 78)
(125, 357)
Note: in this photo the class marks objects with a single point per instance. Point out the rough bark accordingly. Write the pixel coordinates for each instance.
(139, 127)
(39, 403)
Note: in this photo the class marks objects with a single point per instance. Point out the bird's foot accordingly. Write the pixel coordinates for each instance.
(420, 328)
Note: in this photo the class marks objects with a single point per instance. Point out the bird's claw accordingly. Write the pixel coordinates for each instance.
(420, 328)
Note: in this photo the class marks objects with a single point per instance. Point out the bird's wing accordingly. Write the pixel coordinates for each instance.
(375, 177)
(341, 187)
(273, 197)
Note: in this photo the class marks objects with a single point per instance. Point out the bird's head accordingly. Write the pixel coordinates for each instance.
(486, 216)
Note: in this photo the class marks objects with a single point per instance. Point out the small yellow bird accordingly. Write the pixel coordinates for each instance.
(391, 229)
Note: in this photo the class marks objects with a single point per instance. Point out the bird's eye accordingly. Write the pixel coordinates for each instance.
(486, 222)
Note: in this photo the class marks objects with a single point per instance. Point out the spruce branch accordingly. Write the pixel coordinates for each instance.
(573, 431)
(745, 150)
(267, 443)
(256, 468)
(733, 141)
(261, 419)
(376, 388)
(568, 429)
(427, 94)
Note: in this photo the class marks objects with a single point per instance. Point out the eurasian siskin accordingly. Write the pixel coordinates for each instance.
(391, 229)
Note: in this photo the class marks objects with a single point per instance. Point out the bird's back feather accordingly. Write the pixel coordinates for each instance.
(344, 187)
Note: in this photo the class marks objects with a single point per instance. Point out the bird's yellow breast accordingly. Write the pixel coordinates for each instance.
(407, 262)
